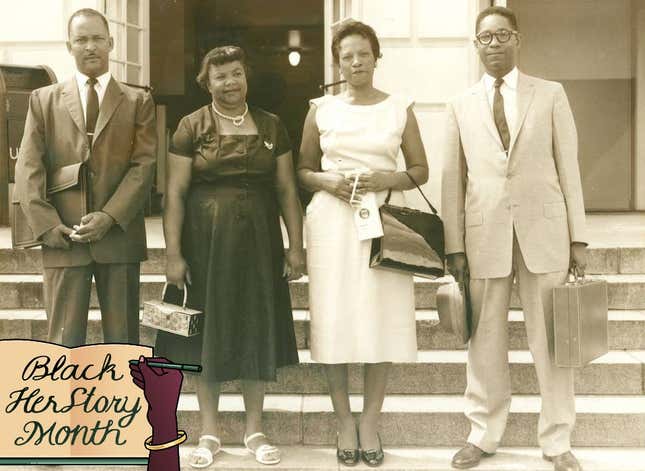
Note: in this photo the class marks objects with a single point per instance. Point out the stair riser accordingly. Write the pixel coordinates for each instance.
(445, 378)
(610, 260)
(28, 295)
(30, 262)
(622, 335)
(422, 429)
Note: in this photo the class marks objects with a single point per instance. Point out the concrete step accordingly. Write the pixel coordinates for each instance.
(421, 420)
(626, 329)
(429, 459)
(600, 260)
(444, 372)
(25, 291)
(310, 458)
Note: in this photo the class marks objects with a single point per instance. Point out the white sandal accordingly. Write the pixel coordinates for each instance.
(205, 453)
(262, 451)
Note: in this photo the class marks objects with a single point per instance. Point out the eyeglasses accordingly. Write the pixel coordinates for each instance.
(503, 36)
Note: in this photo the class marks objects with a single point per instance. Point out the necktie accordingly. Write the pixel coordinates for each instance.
(499, 116)
(92, 112)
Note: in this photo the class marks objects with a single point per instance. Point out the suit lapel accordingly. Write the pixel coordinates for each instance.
(525, 92)
(486, 114)
(111, 100)
(72, 101)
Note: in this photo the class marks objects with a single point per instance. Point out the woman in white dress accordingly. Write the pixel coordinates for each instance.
(358, 314)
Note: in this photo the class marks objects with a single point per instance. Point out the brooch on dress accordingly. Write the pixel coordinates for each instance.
(206, 137)
(268, 145)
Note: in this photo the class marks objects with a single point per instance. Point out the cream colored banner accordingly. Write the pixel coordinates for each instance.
(64, 402)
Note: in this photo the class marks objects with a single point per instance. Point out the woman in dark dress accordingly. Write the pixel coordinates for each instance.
(230, 177)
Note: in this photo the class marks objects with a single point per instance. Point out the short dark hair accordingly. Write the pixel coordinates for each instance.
(218, 56)
(501, 11)
(86, 12)
(355, 27)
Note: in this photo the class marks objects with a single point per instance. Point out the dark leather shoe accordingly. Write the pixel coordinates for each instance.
(564, 462)
(468, 457)
(347, 456)
(374, 458)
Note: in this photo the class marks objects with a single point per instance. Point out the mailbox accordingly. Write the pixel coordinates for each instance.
(16, 84)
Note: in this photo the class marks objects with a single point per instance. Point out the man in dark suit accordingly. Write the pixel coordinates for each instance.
(513, 209)
(109, 128)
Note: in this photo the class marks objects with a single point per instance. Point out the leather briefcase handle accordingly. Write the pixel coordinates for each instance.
(389, 193)
(185, 290)
(577, 277)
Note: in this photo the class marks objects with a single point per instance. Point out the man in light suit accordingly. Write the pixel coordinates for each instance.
(110, 128)
(513, 209)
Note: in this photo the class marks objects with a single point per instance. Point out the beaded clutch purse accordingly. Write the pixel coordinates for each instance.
(179, 320)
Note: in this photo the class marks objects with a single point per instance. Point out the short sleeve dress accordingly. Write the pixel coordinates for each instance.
(232, 243)
(358, 314)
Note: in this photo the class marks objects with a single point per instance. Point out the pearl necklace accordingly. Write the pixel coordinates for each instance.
(237, 120)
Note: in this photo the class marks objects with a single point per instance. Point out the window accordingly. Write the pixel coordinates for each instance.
(130, 27)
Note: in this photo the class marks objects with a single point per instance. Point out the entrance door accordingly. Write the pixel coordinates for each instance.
(428, 56)
(587, 46)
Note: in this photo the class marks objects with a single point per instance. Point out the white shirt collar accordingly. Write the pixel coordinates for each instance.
(510, 79)
(103, 80)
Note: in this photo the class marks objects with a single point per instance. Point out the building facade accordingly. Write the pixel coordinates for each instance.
(595, 48)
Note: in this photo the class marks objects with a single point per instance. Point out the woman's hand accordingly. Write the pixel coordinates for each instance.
(341, 187)
(294, 264)
(177, 271)
(374, 181)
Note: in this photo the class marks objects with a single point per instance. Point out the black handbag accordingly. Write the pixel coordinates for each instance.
(412, 240)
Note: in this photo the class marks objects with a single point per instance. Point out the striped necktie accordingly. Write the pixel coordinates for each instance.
(500, 116)
(92, 112)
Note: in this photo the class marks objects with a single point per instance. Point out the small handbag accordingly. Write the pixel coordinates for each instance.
(179, 320)
(412, 240)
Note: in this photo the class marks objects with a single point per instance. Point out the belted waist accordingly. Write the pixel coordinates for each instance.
(264, 182)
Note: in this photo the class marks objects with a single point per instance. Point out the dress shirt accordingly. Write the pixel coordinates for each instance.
(509, 93)
(100, 87)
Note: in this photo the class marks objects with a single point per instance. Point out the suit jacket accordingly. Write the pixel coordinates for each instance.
(536, 190)
(119, 166)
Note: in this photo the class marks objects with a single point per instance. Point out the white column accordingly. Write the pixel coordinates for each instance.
(638, 15)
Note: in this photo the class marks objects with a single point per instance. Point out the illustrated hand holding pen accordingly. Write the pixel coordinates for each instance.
(161, 386)
(161, 383)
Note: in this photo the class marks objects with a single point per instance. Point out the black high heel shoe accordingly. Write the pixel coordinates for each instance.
(375, 457)
(347, 456)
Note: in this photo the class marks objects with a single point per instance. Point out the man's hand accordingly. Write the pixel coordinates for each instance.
(93, 227)
(578, 259)
(458, 266)
(56, 237)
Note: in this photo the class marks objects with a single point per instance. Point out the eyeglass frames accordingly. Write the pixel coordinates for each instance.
(503, 36)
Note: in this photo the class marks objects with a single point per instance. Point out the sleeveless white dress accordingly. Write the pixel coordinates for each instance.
(358, 314)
